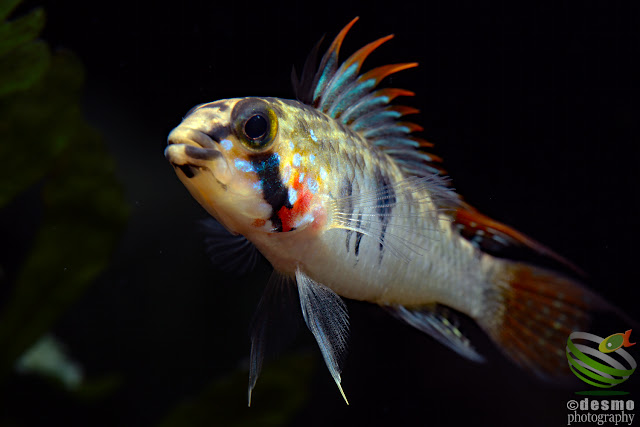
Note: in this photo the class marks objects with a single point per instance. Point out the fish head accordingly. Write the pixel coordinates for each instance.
(246, 161)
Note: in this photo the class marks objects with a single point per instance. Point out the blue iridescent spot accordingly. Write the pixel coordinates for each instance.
(297, 159)
(323, 174)
(244, 166)
(313, 185)
(293, 196)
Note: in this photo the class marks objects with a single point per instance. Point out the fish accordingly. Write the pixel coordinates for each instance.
(344, 200)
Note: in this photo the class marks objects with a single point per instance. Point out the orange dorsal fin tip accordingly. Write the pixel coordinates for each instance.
(404, 110)
(392, 93)
(383, 71)
(342, 34)
(362, 54)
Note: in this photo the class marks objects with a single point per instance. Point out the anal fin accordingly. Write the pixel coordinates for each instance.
(440, 323)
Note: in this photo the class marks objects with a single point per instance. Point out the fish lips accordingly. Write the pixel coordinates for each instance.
(191, 150)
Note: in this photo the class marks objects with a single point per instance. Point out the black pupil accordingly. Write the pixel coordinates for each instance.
(256, 127)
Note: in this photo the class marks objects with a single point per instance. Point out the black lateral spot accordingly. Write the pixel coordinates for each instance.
(385, 204)
(267, 166)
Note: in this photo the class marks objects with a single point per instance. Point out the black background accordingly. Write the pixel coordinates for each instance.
(534, 109)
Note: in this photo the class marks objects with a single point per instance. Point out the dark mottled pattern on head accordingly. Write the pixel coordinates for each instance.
(219, 133)
(188, 170)
(201, 153)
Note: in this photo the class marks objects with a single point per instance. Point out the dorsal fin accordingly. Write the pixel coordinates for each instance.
(502, 241)
(341, 92)
(351, 98)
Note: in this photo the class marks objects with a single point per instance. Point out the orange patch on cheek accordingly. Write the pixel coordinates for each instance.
(292, 216)
(258, 222)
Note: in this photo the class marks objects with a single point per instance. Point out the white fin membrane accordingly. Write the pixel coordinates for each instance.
(428, 196)
(326, 316)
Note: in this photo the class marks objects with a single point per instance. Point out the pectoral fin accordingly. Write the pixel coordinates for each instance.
(230, 253)
(326, 316)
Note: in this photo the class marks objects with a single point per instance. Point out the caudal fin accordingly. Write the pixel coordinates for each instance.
(531, 312)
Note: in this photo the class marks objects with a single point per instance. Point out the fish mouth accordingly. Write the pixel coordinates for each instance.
(193, 151)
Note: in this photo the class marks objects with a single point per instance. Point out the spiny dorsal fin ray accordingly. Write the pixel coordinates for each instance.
(341, 92)
(340, 83)
(329, 63)
(303, 87)
(371, 103)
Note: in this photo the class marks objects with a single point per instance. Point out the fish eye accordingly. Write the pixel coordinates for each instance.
(256, 127)
(255, 123)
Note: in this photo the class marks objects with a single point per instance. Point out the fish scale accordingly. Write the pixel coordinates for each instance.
(344, 201)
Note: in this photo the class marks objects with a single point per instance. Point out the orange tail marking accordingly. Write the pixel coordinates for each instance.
(534, 312)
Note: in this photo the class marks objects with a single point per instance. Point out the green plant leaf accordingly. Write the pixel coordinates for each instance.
(21, 30)
(23, 67)
(36, 125)
(84, 208)
(6, 7)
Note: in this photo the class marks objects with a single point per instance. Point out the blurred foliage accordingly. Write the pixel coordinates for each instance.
(43, 133)
(48, 359)
(24, 61)
(280, 393)
(53, 150)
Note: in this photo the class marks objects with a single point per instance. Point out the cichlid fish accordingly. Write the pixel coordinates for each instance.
(344, 201)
